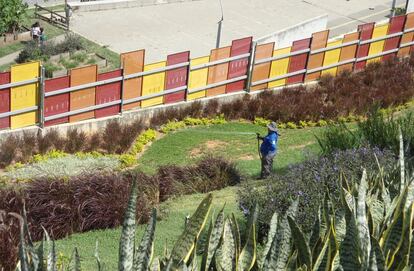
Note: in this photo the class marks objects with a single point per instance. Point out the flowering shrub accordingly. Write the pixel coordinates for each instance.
(309, 181)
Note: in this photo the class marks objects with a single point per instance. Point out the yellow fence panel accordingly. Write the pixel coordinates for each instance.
(24, 96)
(153, 83)
(332, 57)
(279, 67)
(198, 78)
(378, 46)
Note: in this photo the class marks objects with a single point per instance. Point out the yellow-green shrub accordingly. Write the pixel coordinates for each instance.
(303, 124)
(127, 160)
(291, 125)
(261, 121)
(322, 123)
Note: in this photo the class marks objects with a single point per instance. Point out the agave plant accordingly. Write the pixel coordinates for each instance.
(371, 229)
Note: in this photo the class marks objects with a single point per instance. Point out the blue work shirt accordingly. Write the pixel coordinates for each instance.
(269, 145)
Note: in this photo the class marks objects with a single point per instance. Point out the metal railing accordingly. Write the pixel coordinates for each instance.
(252, 62)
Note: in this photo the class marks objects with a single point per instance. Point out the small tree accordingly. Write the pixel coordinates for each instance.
(12, 14)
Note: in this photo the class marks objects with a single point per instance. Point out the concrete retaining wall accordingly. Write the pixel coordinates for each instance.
(285, 37)
(115, 4)
(145, 114)
(93, 125)
(410, 6)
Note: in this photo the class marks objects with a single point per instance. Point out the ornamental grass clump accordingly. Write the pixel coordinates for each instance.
(209, 174)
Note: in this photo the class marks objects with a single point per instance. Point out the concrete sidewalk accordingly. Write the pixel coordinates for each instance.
(172, 28)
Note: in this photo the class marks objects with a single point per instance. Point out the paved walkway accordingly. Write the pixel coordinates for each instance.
(171, 28)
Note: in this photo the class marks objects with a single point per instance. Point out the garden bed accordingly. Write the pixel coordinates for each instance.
(59, 65)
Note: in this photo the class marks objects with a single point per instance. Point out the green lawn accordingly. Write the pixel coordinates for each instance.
(236, 141)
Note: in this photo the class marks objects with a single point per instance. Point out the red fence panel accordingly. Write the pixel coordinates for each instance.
(365, 34)
(298, 62)
(4, 100)
(177, 77)
(108, 93)
(59, 103)
(396, 25)
(238, 67)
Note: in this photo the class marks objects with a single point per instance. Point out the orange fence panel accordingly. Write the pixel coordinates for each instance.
(407, 37)
(319, 41)
(85, 97)
(132, 62)
(218, 73)
(262, 71)
(348, 52)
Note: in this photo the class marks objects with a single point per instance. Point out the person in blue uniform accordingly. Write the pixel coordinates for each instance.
(268, 149)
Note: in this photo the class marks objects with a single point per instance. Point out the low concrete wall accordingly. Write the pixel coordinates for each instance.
(115, 4)
(410, 6)
(285, 37)
(93, 125)
(145, 114)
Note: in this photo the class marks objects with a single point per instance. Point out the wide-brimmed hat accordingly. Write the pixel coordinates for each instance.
(272, 126)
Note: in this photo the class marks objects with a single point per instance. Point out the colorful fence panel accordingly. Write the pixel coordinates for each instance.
(306, 60)
(332, 57)
(365, 34)
(198, 78)
(219, 72)
(177, 77)
(348, 52)
(319, 41)
(82, 98)
(108, 93)
(298, 62)
(239, 67)
(378, 46)
(153, 84)
(57, 104)
(132, 62)
(4, 100)
(396, 26)
(262, 71)
(407, 37)
(24, 96)
(279, 67)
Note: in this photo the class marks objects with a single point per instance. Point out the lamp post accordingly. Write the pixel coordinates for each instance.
(219, 27)
(393, 8)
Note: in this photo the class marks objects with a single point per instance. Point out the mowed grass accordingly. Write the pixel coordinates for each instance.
(235, 141)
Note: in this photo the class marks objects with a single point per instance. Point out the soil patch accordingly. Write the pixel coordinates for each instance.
(206, 147)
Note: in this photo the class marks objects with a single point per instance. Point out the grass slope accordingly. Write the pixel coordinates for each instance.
(236, 141)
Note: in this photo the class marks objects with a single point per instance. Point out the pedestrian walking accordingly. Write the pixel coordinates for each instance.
(268, 149)
(36, 32)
